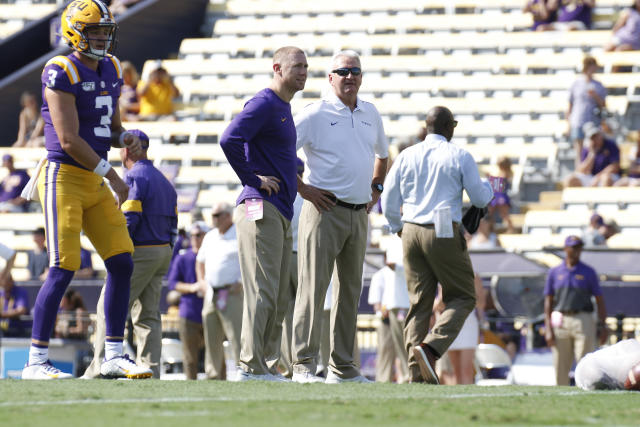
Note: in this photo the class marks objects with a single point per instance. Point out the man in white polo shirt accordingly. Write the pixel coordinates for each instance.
(218, 272)
(346, 149)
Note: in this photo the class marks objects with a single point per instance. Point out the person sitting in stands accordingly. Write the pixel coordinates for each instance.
(11, 187)
(572, 15)
(30, 123)
(156, 95)
(544, 12)
(600, 161)
(73, 318)
(626, 31)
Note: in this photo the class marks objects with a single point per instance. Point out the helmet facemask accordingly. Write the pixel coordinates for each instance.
(85, 47)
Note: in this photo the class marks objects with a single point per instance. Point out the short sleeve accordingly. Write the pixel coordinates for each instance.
(302, 121)
(60, 74)
(382, 143)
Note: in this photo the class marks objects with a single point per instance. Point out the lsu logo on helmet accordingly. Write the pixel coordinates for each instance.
(81, 16)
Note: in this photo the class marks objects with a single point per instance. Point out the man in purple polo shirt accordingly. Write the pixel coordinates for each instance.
(151, 211)
(182, 277)
(260, 144)
(570, 329)
(599, 161)
(11, 187)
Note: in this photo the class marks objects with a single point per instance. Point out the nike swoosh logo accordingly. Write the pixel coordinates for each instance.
(284, 119)
(114, 84)
(334, 123)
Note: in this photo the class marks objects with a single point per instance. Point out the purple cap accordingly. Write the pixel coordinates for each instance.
(7, 157)
(142, 136)
(597, 218)
(573, 241)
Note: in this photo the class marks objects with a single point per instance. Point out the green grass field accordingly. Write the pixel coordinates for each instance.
(189, 404)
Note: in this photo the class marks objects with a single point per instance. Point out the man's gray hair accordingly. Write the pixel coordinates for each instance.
(222, 207)
(344, 53)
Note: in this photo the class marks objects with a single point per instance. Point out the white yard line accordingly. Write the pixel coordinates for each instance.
(257, 399)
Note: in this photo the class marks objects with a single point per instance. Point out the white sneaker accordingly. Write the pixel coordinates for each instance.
(243, 376)
(280, 378)
(123, 367)
(45, 371)
(332, 378)
(306, 377)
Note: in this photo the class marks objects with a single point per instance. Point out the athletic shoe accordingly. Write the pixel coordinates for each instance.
(44, 371)
(332, 378)
(306, 377)
(243, 376)
(426, 362)
(123, 367)
(278, 377)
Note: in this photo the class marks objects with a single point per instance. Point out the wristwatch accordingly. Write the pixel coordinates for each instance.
(377, 187)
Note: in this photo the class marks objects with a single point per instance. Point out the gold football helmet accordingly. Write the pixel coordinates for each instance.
(78, 18)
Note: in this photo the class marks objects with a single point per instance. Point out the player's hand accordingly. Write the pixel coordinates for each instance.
(323, 200)
(118, 186)
(549, 337)
(132, 143)
(269, 184)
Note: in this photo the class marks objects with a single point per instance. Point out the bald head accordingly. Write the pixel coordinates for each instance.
(440, 121)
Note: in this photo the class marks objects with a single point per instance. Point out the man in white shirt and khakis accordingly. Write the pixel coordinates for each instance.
(423, 204)
(346, 149)
(218, 272)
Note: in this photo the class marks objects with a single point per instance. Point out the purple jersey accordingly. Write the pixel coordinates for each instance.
(183, 269)
(572, 287)
(261, 140)
(574, 10)
(13, 184)
(96, 95)
(608, 154)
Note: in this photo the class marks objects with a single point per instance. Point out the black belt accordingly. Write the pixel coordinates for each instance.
(348, 205)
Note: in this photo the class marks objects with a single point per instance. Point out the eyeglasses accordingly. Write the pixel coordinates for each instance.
(216, 215)
(455, 123)
(344, 72)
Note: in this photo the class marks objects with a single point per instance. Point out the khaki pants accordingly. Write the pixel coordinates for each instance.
(264, 247)
(286, 350)
(338, 236)
(386, 356)
(150, 264)
(574, 339)
(429, 261)
(325, 345)
(217, 324)
(192, 338)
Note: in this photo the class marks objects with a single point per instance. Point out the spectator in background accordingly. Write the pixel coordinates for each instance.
(182, 278)
(129, 103)
(86, 270)
(30, 123)
(484, 237)
(38, 258)
(182, 242)
(14, 302)
(593, 235)
(572, 15)
(218, 272)
(626, 31)
(389, 297)
(11, 187)
(73, 319)
(501, 202)
(633, 173)
(156, 96)
(118, 7)
(586, 97)
(544, 12)
(599, 162)
(570, 328)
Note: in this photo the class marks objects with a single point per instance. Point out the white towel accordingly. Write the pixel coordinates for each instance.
(30, 191)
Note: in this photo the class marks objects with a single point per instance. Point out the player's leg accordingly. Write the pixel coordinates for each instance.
(105, 226)
(61, 203)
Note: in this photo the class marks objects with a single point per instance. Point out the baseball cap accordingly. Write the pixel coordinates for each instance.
(573, 241)
(141, 136)
(590, 129)
(597, 218)
(198, 226)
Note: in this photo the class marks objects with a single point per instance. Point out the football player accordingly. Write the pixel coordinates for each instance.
(82, 121)
(609, 367)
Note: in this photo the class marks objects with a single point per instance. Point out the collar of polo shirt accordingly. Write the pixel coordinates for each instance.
(333, 98)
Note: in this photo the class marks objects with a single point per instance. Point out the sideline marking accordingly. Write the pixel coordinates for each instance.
(228, 399)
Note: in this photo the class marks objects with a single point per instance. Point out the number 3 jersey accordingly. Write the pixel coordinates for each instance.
(96, 95)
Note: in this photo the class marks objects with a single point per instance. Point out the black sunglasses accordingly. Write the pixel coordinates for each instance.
(344, 72)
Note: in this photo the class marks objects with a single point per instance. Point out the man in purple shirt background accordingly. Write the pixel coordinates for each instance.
(570, 329)
(11, 187)
(182, 277)
(14, 302)
(152, 218)
(599, 161)
(260, 145)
